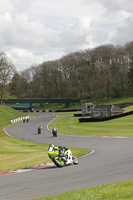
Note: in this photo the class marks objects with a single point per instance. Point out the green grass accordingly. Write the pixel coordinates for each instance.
(121, 100)
(6, 114)
(127, 109)
(16, 153)
(118, 191)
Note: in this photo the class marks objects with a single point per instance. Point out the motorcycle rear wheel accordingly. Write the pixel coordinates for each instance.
(75, 160)
(58, 161)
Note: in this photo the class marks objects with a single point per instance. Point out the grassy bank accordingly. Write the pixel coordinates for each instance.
(16, 153)
(118, 191)
(123, 100)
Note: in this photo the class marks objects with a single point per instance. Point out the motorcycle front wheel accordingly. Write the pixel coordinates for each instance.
(75, 160)
(58, 161)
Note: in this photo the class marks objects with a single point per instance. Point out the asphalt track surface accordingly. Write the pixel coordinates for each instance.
(111, 162)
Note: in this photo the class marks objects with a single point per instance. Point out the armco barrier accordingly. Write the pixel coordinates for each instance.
(96, 119)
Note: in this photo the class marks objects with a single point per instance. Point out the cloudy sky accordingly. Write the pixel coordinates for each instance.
(34, 31)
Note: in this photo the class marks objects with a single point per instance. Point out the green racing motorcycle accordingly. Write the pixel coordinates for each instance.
(61, 156)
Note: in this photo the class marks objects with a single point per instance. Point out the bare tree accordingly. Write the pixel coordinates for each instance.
(129, 56)
(97, 73)
(7, 70)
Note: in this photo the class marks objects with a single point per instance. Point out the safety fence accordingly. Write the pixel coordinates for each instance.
(19, 118)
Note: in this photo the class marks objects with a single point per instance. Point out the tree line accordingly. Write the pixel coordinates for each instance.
(102, 72)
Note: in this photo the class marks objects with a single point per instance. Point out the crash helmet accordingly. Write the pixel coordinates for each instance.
(51, 145)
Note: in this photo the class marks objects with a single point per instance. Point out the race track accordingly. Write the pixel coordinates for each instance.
(111, 162)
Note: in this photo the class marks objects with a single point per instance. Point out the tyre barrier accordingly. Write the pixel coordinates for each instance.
(81, 115)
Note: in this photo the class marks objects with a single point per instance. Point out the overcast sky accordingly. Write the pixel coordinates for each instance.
(34, 31)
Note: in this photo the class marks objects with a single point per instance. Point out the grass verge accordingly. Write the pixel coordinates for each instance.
(118, 191)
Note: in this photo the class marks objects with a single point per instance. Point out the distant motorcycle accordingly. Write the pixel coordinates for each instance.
(61, 156)
(54, 132)
(39, 129)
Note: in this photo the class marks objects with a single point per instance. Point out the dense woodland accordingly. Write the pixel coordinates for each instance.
(102, 72)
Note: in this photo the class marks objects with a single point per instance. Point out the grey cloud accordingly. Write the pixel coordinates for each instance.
(124, 33)
(45, 29)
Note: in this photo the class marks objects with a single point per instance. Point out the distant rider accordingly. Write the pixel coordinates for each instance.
(39, 129)
(54, 131)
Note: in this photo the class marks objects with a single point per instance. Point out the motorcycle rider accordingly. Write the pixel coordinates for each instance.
(61, 156)
(54, 131)
(59, 148)
(39, 129)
